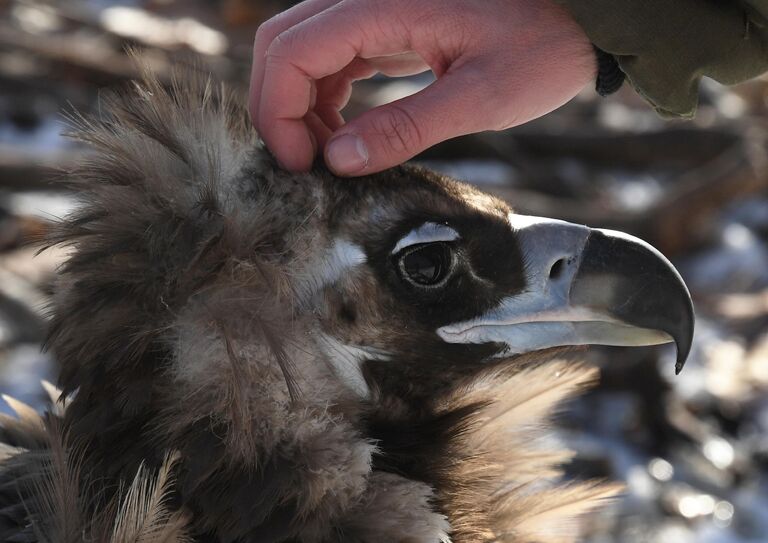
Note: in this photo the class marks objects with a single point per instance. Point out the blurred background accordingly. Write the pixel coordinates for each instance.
(693, 449)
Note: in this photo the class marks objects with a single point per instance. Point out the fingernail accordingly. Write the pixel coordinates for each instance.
(346, 154)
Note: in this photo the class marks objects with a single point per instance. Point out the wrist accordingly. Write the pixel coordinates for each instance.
(574, 42)
(607, 74)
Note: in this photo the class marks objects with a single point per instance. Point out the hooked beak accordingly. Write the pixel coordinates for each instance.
(585, 287)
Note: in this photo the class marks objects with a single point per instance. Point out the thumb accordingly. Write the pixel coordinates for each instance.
(391, 134)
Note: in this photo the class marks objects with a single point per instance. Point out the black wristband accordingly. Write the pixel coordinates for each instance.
(609, 75)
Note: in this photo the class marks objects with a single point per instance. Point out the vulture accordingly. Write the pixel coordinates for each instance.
(253, 355)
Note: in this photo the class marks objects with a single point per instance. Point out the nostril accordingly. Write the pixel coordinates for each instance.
(557, 269)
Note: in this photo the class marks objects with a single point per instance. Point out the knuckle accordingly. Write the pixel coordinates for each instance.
(266, 33)
(399, 130)
(281, 44)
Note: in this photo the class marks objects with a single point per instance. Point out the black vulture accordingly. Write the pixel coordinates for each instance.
(249, 354)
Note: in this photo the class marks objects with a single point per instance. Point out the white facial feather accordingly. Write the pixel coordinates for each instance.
(428, 232)
(339, 259)
(346, 360)
(342, 256)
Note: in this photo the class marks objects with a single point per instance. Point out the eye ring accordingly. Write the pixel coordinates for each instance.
(426, 265)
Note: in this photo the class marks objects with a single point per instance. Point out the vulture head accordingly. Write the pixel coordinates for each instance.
(255, 355)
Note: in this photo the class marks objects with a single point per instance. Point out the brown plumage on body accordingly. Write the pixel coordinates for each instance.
(254, 355)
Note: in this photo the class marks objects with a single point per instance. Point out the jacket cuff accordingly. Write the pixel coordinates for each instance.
(665, 47)
(610, 78)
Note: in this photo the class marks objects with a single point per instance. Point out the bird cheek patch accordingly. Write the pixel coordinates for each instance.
(336, 262)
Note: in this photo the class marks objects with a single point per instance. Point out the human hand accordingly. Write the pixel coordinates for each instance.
(498, 64)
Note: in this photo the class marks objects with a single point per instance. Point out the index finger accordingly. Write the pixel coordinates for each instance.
(315, 48)
(267, 32)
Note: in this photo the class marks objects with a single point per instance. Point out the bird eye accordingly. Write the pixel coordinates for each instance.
(427, 265)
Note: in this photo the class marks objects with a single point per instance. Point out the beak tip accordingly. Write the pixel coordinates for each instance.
(684, 340)
(683, 350)
(684, 346)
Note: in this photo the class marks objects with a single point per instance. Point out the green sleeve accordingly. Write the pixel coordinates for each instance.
(665, 46)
